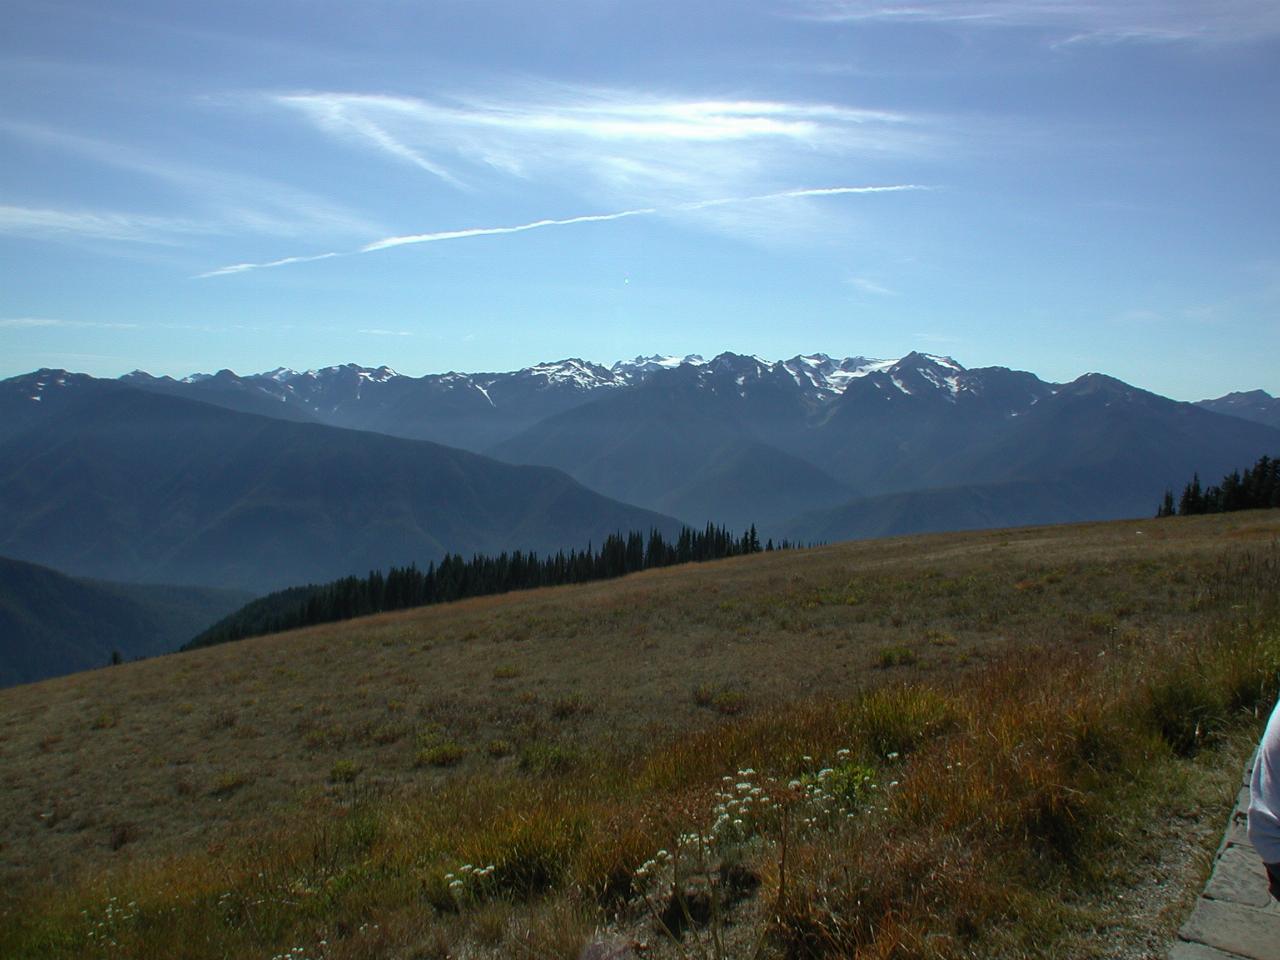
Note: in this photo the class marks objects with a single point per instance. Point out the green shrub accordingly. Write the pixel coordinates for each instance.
(446, 754)
(344, 771)
(729, 702)
(550, 758)
(570, 706)
(228, 783)
(897, 656)
(898, 719)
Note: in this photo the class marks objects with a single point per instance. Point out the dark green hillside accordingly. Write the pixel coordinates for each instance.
(51, 624)
(135, 485)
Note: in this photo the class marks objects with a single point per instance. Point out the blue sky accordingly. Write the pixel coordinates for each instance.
(1059, 186)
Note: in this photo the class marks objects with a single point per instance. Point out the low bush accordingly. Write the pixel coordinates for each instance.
(446, 754)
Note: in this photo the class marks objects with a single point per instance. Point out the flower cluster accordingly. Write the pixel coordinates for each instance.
(650, 867)
(749, 805)
(299, 953)
(833, 793)
(104, 929)
(744, 807)
(467, 882)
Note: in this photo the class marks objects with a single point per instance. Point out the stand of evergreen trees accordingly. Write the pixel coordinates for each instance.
(1256, 488)
(455, 578)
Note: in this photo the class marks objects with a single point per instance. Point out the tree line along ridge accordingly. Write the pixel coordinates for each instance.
(1257, 488)
(455, 578)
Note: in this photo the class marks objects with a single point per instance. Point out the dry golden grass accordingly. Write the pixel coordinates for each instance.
(208, 756)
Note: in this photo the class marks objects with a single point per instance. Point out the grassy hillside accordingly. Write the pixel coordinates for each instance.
(1051, 718)
(51, 624)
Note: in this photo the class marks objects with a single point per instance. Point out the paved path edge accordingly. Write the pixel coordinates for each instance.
(1234, 917)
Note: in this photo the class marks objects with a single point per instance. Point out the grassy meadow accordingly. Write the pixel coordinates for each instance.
(1010, 743)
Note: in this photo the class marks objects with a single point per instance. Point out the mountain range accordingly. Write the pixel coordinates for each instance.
(739, 439)
(1256, 405)
(100, 479)
(271, 479)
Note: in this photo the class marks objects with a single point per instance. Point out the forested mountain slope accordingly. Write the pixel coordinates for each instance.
(51, 624)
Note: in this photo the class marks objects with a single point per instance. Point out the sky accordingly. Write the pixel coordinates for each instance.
(1060, 186)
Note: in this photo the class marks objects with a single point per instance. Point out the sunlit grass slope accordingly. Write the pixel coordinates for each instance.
(1009, 722)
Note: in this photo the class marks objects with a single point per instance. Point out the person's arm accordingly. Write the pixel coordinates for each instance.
(1264, 801)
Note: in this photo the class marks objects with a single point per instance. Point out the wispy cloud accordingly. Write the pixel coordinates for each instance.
(379, 332)
(45, 223)
(1099, 21)
(611, 146)
(867, 285)
(20, 323)
(282, 262)
(469, 232)
(346, 119)
(495, 231)
(223, 201)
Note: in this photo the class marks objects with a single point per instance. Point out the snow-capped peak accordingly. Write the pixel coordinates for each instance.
(657, 362)
(381, 375)
(813, 360)
(573, 371)
(831, 377)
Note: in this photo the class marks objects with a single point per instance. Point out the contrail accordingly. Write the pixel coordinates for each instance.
(793, 194)
(244, 267)
(490, 231)
(438, 236)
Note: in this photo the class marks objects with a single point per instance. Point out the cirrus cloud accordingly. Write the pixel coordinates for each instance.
(1098, 21)
(27, 323)
(611, 146)
(47, 223)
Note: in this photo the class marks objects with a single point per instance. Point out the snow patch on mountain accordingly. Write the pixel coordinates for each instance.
(574, 372)
(656, 362)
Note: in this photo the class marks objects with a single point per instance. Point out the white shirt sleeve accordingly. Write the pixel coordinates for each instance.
(1264, 793)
